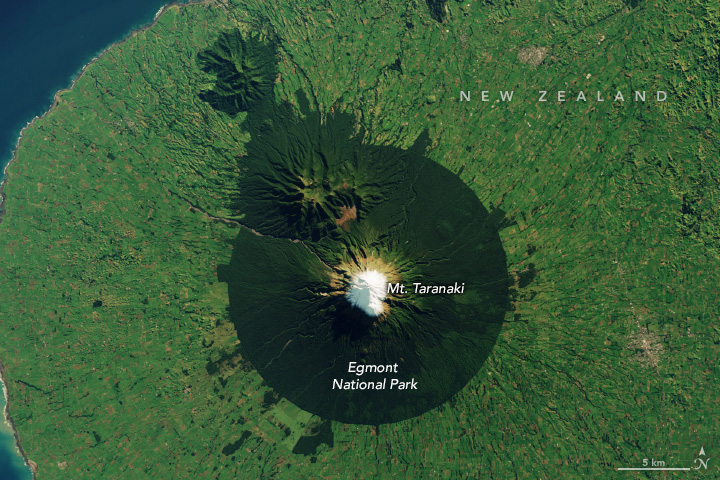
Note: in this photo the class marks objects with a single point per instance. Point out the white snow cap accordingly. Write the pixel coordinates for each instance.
(367, 291)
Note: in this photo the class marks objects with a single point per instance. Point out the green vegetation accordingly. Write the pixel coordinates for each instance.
(319, 206)
(243, 68)
(122, 361)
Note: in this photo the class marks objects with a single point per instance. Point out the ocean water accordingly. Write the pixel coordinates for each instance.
(12, 466)
(43, 45)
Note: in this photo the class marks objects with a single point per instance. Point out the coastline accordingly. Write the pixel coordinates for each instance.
(5, 177)
(77, 77)
(11, 424)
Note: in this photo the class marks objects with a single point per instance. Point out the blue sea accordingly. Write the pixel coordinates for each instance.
(44, 44)
(12, 465)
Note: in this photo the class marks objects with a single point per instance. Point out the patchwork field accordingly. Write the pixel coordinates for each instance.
(121, 355)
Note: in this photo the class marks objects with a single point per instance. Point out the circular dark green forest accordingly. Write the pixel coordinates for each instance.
(321, 206)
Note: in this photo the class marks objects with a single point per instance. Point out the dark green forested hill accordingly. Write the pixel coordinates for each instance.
(120, 357)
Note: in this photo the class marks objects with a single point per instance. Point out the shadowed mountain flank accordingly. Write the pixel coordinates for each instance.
(325, 210)
(244, 67)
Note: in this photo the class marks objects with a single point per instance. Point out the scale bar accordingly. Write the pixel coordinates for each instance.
(652, 468)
